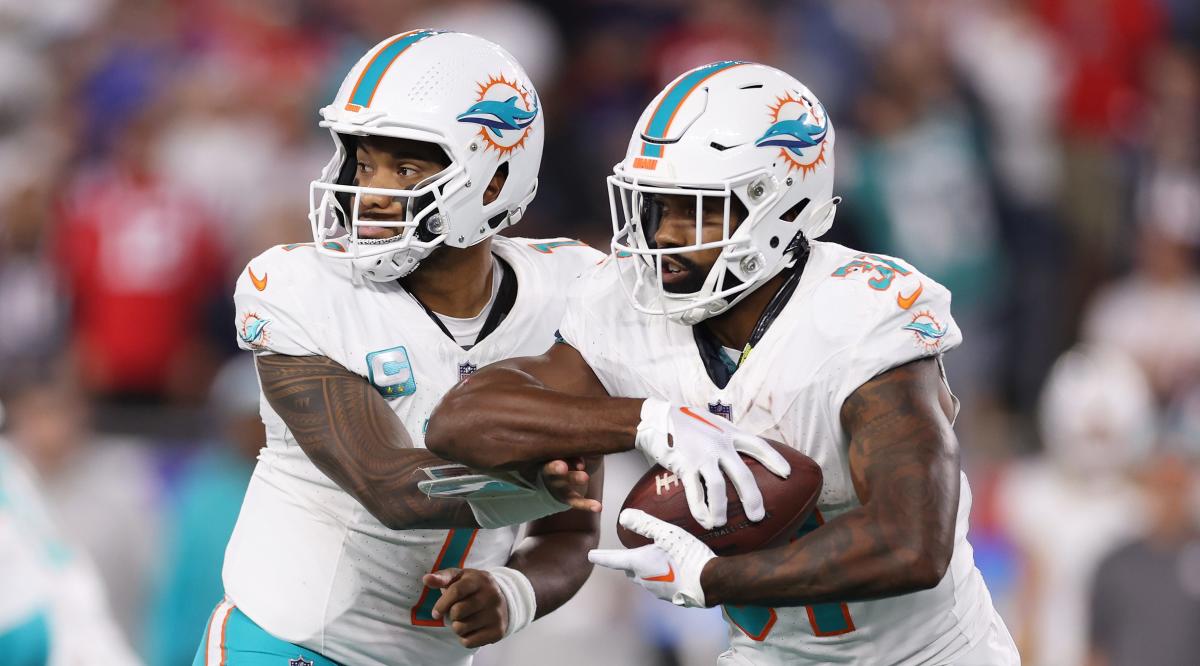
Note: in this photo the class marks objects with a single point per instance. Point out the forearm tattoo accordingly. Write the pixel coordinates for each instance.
(351, 434)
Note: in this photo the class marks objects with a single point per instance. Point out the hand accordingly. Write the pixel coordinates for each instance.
(568, 483)
(697, 446)
(670, 567)
(473, 604)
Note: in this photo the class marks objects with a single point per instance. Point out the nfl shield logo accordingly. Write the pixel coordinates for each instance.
(299, 661)
(721, 409)
(466, 370)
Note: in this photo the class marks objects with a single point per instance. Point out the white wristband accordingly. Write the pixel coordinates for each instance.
(518, 594)
(504, 511)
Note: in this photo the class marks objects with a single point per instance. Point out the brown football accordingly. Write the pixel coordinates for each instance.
(788, 503)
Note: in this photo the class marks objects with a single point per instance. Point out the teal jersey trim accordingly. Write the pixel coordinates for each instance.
(453, 556)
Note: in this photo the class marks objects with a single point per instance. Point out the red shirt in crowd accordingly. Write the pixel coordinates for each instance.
(141, 266)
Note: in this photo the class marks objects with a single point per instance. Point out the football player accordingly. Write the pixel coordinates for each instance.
(337, 556)
(719, 297)
(54, 609)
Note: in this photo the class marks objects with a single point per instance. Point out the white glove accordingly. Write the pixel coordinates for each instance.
(670, 567)
(698, 446)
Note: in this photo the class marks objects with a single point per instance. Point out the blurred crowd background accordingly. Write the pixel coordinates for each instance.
(1041, 158)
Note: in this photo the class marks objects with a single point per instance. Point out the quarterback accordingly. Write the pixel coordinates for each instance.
(337, 556)
(718, 296)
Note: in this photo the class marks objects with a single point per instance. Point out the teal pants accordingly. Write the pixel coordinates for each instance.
(26, 644)
(232, 639)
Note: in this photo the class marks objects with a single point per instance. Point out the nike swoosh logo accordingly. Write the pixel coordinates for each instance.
(665, 578)
(906, 302)
(699, 418)
(258, 284)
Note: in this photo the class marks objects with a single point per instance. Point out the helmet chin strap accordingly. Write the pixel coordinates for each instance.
(392, 266)
(709, 307)
(712, 308)
(400, 263)
(693, 316)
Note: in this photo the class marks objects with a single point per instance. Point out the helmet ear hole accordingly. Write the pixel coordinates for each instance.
(496, 183)
(794, 212)
(492, 192)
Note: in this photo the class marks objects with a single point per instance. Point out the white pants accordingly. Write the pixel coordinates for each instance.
(996, 649)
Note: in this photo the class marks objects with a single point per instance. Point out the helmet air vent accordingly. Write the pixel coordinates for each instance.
(430, 83)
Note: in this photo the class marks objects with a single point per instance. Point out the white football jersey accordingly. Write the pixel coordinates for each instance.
(306, 561)
(852, 316)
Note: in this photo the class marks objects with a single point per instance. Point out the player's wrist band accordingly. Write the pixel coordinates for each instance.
(498, 512)
(518, 594)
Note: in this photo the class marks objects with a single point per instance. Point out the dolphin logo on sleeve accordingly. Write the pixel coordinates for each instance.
(253, 329)
(925, 329)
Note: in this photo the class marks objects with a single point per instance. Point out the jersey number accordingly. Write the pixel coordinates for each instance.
(453, 555)
(886, 270)
(547, 248)
(829, 619)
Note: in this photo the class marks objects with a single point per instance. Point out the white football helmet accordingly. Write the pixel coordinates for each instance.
(1097, 412)
(461, 92)
(726, 130)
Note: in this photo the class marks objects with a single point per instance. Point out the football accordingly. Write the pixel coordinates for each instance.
(788, 503)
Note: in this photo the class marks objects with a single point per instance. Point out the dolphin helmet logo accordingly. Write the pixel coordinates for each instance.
(504, 112)
(497, 116)
(798, 129)
(795, 135)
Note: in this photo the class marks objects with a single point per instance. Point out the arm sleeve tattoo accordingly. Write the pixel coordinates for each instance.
(904, 465)
(351, 434)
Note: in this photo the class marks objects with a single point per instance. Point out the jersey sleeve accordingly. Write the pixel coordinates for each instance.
(887, 328)
(574, 263)
(270, 318)
(571, 258)
(573, 328)
(593, 315)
